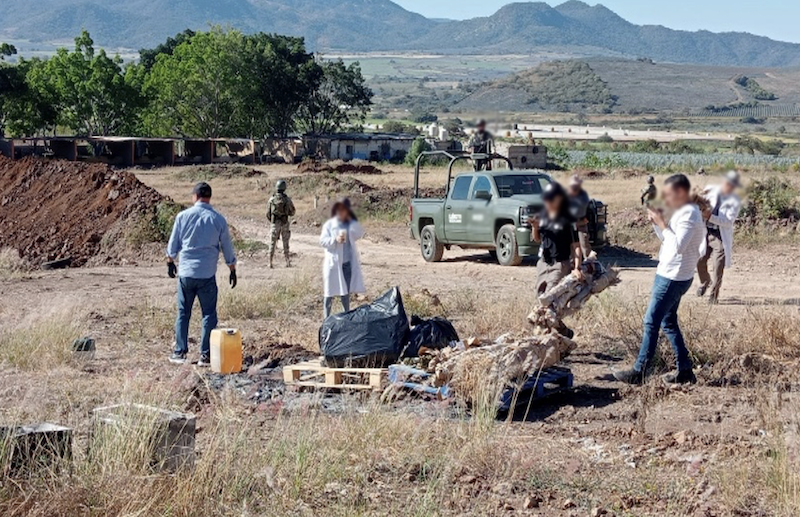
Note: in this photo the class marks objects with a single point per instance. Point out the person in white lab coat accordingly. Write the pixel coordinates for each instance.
(725, 207)
(341, 269)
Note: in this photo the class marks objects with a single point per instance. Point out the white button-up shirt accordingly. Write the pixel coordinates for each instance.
(682, 244)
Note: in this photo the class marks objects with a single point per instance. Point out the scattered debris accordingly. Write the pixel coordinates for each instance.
(171, 433)
(480, 369)
(83, 349)
(29, 449)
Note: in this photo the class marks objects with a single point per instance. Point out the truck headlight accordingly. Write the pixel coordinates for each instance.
(525, 213)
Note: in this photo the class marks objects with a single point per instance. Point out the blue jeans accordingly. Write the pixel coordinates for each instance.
(206, 291)
(663, 313)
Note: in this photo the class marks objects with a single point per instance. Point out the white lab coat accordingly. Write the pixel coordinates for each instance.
(726, 219)
(332, 274)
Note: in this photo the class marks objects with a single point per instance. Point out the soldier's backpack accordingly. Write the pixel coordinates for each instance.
(280, 207)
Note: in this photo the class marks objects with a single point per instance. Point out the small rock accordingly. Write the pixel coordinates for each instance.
(508, 507)
(679, 437)
(597, 512)
(467, 479)
(114, 194)
(531, 502)
(502, 488)
(569, 503)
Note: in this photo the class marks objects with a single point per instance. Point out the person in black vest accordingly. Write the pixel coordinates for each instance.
(559, 246)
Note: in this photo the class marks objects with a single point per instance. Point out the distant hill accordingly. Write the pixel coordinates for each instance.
(638, 86)
(355, 25)
(572, 29)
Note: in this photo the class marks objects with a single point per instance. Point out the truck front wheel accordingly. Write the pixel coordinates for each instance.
(507, 249)
(432, 249)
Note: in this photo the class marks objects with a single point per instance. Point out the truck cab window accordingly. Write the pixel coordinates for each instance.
(519, 185)
(481, 183)
(461, 188)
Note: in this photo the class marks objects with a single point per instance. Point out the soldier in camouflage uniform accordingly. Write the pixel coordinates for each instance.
(481, 143)
(279, 210)
(650, 192)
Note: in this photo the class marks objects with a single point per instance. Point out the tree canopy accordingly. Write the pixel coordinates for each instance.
(219, 83)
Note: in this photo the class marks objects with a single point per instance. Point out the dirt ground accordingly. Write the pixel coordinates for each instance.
(601, 447)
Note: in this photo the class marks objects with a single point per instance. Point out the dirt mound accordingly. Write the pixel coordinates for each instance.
(592, 175)
(315, 167)
(210, 172)
(631, 218)
(326, 186)
(54, 210)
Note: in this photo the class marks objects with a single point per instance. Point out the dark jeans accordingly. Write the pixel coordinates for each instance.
(206, 291)
(347, 272)
(663, 313)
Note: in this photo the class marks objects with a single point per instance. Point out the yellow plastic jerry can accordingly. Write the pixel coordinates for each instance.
(226, 351)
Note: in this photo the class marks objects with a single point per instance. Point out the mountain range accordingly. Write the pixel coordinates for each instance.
(570, 29)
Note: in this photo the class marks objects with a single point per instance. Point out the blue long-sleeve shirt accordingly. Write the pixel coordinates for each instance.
(198, 235)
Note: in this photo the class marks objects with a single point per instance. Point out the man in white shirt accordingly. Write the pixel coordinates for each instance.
(725, 207)
(683, 240)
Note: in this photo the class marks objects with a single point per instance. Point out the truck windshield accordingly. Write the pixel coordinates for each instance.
(517, 185)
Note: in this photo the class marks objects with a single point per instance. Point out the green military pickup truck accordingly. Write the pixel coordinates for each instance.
(487, 210)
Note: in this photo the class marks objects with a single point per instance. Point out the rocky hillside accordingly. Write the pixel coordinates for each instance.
(573, 28)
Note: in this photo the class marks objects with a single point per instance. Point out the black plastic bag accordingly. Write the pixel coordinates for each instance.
(435, 333)
(372, 336)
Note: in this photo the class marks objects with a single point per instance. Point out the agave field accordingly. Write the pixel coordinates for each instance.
(750, 111)
(657, 162)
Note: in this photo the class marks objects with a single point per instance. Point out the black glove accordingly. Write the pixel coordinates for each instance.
(233, 279)
(172, 270)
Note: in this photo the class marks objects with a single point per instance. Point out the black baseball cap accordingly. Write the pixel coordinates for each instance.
(202, 190)
(553, 191)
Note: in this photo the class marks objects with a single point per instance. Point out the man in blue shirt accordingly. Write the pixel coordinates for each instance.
(197, 237)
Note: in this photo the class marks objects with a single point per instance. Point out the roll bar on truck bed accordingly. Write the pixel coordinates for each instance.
(454, 158)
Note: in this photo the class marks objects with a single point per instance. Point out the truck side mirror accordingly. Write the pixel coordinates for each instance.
(484, 195)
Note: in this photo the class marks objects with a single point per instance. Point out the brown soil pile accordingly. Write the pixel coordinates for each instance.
(631, 218)
(209, 172)
(53, 210)
(315, 167)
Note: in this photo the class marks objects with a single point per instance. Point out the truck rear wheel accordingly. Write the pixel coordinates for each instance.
(507, 248)
(432, 249)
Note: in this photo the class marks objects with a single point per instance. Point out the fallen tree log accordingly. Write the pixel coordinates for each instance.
(481, 367)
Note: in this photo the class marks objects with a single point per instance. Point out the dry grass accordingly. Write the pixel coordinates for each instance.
(11, 265)
(42, 344)
(250, 301)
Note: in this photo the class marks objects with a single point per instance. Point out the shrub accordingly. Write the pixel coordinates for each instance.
(155, 226)
(773, 198)
(605, 139)
(418, 147)
(395, 126)
(425, 118)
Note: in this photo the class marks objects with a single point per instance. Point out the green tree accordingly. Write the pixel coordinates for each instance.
(25, 110)
(7, 50)
(282, 76)
(342, 99)
(418, 147)
(147, 56)
(200, 89)
(395, 126)
(89, 89)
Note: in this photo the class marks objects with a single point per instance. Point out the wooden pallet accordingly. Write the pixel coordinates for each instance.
(313, 374)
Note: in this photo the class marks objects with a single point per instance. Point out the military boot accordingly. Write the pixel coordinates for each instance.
(271, 258)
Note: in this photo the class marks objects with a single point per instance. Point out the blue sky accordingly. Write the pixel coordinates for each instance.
(777, 19)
